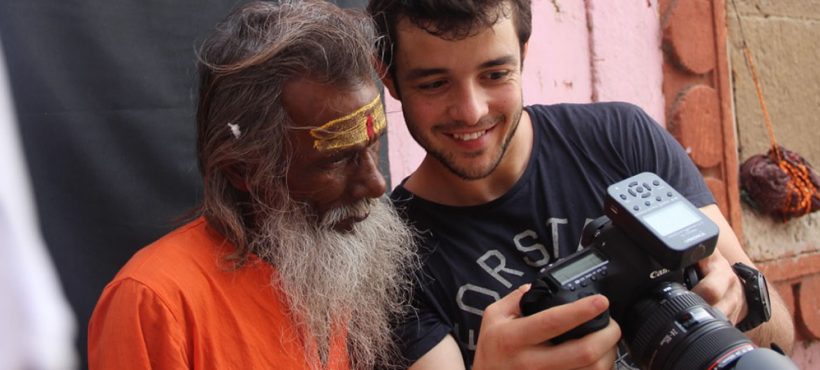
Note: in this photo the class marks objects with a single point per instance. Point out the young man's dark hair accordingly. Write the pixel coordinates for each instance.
(453, 19)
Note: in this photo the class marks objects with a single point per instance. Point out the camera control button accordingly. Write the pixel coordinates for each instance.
(636, 208)
(646, 195)
(623, 196)
(656, 182)
(584, 283)
(669, 194)
(640, 190)
(658, 198)
(632, 192)
(633, 184)
(647, 187)
(647, 203)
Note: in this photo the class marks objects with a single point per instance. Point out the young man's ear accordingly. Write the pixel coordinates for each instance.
(387, 79)
(524, 53)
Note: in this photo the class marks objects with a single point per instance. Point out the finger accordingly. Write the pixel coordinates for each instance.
(711, 262)
(606, 362)
(596, 350)
(711, 289)
(506, 307)
(714, 284)
(552, 322)
(721, 289)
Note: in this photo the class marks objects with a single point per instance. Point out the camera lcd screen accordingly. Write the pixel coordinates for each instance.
(671, 218)
(566, 273)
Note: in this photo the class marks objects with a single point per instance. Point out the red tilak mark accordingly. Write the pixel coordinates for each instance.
(370, 131)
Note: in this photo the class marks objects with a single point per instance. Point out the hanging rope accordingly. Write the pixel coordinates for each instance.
(781, 182)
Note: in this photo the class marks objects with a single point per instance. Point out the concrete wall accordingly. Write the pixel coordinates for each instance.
(783, 37)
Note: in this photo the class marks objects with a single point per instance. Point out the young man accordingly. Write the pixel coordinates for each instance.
(504, 190)
(296, 262)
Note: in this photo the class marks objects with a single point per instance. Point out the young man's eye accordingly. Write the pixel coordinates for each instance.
(431, 85)
(497, 75)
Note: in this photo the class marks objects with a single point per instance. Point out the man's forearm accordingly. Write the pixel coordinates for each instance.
(779, 329)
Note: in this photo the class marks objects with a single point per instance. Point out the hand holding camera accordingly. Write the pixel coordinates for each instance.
(518, 342)
(640, 256)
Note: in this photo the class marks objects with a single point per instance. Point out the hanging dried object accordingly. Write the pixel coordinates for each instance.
(780, 183)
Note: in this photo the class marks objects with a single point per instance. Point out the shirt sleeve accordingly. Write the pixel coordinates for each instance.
(657, 151)
(132, 328)
(421, 328)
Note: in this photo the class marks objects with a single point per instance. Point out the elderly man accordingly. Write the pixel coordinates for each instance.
(296, 261)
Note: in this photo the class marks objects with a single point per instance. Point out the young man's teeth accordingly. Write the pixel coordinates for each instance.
(469, 136)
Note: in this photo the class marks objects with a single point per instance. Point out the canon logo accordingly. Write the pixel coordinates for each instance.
(658, 273)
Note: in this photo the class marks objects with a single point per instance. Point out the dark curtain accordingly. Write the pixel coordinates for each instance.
(105, 93)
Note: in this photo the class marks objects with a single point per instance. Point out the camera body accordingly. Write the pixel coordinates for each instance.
(651, 234)
(640, 255)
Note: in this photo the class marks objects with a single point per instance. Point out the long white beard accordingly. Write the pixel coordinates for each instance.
(358, 280)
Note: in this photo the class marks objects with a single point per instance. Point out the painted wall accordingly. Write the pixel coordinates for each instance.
(580, 51)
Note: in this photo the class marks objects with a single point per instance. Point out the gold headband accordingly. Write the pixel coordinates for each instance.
(360, 126)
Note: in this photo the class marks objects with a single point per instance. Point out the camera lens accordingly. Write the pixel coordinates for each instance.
(674, 328)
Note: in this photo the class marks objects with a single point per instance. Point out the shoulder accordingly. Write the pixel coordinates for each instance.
(400, 194)
(178, 260)
(610, 125)
(590, 113)
(407, 204)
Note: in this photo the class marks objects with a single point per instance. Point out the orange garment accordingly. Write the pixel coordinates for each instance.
(177, 305)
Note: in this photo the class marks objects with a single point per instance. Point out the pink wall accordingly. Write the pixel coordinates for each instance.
(580, 51)
(627, 61)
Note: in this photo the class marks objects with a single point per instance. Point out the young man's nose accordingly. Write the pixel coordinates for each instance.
(468, 104)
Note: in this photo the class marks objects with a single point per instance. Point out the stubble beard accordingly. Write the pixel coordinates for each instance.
(450, 160)
(356, 281)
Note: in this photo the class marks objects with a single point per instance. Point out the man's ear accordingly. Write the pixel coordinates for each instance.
(524, 52)
(387, 79)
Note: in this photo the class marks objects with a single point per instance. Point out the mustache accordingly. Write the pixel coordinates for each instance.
(484, 123)
(360, 210)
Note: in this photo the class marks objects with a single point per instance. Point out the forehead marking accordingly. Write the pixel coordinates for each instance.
(358, 127)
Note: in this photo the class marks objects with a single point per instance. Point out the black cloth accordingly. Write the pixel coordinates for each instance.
(475, 255)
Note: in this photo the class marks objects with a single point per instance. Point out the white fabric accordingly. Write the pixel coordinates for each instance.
(37, 327)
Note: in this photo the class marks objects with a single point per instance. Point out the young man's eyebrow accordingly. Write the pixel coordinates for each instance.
(500, 61)
(418, 73)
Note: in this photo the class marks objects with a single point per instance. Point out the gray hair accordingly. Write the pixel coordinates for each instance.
(242, 145)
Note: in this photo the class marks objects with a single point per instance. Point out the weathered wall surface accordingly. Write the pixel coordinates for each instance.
(783, 37)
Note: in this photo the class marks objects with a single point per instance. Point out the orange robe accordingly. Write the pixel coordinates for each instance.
(177, 305)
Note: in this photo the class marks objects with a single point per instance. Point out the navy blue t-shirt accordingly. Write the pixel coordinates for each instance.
(473, 256)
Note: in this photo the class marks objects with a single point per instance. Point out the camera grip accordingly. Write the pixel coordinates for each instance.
(539, 298)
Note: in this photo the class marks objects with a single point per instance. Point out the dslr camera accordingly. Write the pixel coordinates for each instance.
(642, 256)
